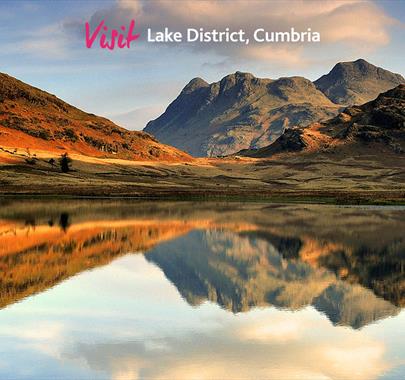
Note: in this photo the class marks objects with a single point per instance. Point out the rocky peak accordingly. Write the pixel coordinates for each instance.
(293, 84)
(297, 89)
(356, 82)
(194, 84)
(362, 68)
(237, 80)
(239, 111)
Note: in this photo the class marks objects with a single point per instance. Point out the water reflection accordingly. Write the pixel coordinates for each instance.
(255, 263)
(241, 271)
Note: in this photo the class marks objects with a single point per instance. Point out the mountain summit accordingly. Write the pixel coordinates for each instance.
(358, 82)
(237, 112)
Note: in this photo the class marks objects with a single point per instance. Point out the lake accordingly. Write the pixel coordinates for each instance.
(127, 290)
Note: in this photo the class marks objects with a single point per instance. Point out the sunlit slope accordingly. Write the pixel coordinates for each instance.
(34, 119)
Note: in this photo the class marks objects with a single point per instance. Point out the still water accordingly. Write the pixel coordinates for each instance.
(127, 290)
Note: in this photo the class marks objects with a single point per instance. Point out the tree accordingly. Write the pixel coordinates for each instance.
(65, 161)
(64, 221)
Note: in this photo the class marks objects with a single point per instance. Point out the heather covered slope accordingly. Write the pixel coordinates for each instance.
(240, 111)
(357, 82)
(31, 118)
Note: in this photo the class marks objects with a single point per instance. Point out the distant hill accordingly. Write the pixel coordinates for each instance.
(239, 111)
(379, 124)
(34, 119)
(358, 82)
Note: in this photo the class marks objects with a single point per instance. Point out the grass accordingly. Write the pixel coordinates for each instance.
(344, 180)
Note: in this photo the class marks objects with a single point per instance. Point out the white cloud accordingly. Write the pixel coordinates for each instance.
(304, 348)
(279, 330)
(355, 23)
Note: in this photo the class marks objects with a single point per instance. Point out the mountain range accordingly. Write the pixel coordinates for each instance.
(244, 112)
(238, 113)
(352, 153)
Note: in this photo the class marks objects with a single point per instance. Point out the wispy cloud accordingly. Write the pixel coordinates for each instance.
(46, 42)
(354, 23)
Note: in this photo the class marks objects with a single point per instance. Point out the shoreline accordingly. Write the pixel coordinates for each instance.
(298, 197)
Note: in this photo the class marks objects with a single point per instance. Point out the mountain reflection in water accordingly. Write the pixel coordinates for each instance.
(159, 290)
(346, 263)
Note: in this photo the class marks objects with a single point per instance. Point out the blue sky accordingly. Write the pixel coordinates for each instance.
(43, 43)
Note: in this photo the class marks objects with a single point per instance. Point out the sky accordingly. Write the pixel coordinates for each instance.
(43, 43)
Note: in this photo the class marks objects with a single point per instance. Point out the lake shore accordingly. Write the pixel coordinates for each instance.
(309, 179)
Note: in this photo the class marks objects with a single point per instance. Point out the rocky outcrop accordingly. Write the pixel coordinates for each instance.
(379, 124)
(379, 121)
(290, 141)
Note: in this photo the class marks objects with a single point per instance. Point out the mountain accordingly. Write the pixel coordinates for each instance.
(378, 125)
(244, 112)
(239, 111)
(34, 119)
(357, 82)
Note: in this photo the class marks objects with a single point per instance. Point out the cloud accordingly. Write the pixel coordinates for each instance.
(304, 348)
(41, 332)
(354, 23)
(51, 41)
(282, 55)
(279, 330)
(347, 359)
